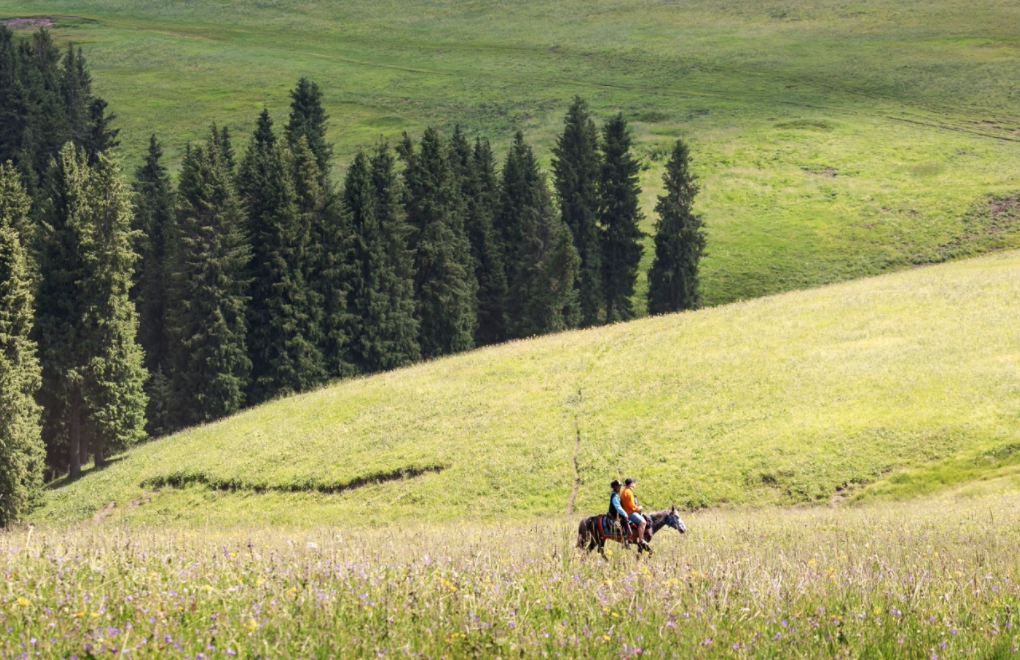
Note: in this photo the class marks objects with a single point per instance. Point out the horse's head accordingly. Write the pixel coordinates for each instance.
(673, 520)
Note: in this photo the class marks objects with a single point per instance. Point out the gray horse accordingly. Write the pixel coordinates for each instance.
(588, 531)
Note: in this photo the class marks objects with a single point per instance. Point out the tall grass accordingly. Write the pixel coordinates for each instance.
(933, 578)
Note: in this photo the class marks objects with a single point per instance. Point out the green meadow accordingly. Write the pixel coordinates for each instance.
(840, 426)
(835, 139)
(884, 388)
(933, 578)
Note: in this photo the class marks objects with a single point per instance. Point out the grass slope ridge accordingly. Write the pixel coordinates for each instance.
(908, 381)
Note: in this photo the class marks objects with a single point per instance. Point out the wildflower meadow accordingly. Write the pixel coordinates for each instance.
(931, 579)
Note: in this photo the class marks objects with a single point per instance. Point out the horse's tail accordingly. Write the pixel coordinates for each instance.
(583, 533)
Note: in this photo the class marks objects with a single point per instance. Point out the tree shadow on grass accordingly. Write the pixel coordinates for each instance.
(67, 479)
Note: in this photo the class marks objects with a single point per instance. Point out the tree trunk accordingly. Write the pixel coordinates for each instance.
(83, 448)
(74, 436)
(100, 452)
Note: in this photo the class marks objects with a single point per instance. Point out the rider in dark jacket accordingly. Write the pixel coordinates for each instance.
(616, 511)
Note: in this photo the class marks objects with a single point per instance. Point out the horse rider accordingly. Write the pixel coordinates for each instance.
(633, 509)
(616, 511)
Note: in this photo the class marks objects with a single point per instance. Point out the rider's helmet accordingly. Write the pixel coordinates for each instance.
(615, 484)
(629, 480)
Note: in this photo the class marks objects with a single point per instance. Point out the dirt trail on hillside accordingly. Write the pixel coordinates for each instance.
(27, 22)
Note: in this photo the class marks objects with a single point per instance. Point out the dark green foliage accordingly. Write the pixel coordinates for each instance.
(309, 120)
(312, 200)
(382, 285)
(154, 211)
(479, 188)
(517, 187)
(542, 261)
(399, 329)
(60, 311)
(367, 302)
(226, 148)
(114, 392)
(46, 100)
(86, 324)
(576, 168)
(159, 420)
(679, 239)
(282, 340)
(33, 116)
(14, 208)
(620, 216)
(21, 448)
(76, 88)
(330, 261)
(101, 136)
(445, 286)
(209, 365)
(264, 137)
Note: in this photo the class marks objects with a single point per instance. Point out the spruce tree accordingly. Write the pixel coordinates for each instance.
(542, 296)
(576, 168)
(367, 303)
(21, 448)
(12, 97)
(15, 205)
(60, 310)
(86, 325)
(76, 89)
(114, 387)
(46, 99)
(312, 200)
(101, 136)
(281, 337)
(309, 120)
(154, 210)
(679, 239)
(399, 330)
(226, 147)
(479, 189)
(517, 186)
(382, 286)
(330, 261)
(445, 286)
(620, 218)
(33, 108)
(209, 365)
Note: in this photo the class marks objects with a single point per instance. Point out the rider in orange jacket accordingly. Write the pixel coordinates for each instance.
(631, 506)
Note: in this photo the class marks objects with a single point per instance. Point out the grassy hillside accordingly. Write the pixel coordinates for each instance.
(835, 138)
(907, 382)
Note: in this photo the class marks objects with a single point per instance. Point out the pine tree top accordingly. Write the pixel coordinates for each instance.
(264, 137)
(308, 119)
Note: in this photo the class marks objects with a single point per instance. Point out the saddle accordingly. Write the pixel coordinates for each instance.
(609, 528)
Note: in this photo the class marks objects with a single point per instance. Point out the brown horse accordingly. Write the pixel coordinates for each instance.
(588, 531)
